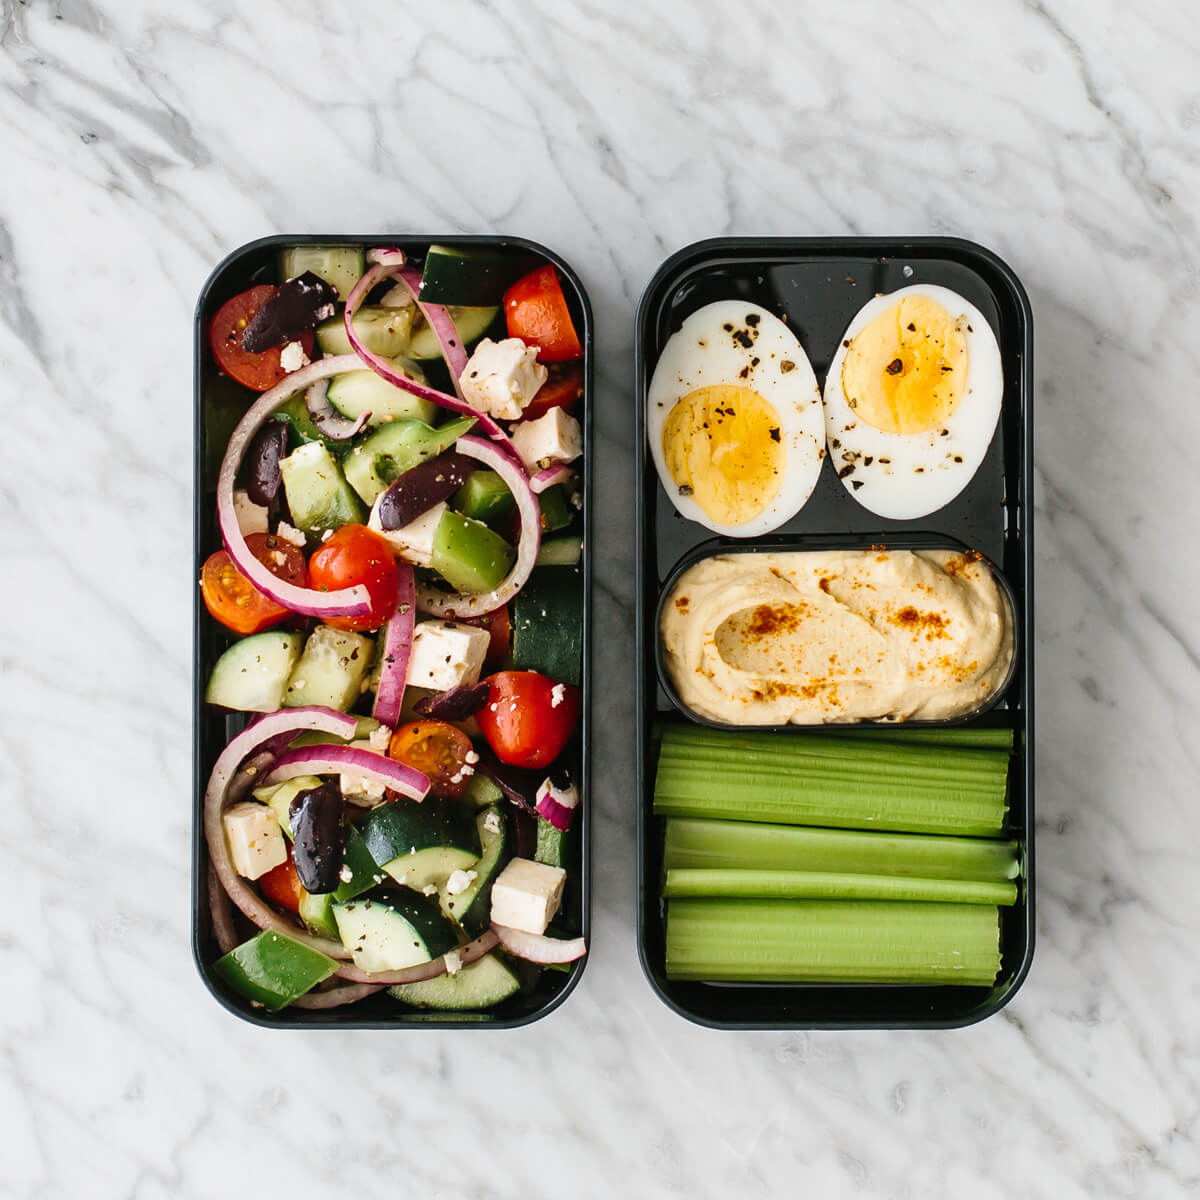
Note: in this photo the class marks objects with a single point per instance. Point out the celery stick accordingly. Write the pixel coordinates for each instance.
(967, 736)
(826, 885)
(836, 941)
(692, 843)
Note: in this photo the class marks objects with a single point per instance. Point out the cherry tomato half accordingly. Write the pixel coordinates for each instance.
(528, 717)
(437, 750)
(234, 601)
(257, 371)
(352, 556)
(535, 311)
(562, 389)
(282, 884)
(499, 626)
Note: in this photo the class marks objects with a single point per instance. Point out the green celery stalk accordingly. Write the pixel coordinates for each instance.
(827, 885)
(695, 843)
(836, 941)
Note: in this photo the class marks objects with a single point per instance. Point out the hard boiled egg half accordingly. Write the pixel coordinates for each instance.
(733, 417)
(912, 399)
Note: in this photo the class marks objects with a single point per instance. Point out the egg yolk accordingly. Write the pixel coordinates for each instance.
(723, 448)
(906, 371)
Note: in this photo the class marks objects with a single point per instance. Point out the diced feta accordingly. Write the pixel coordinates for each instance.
(501, 378)
(414, 542)
(557, 694)
(251, 517)
(552, 438)
(290, 533)
(357, 788)
(526, 895)
(345, 874)
(254, 839)
(378, 739)
(430, 889)
(446, 655)
(453, 962)
(459, 881)
(292, 357)
(491, 822)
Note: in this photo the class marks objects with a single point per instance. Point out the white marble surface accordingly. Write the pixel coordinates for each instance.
(141, 140)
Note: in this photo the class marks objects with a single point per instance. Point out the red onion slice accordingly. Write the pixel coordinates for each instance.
(332, 760)
(535, 948)
(385, 264)
(327, 418)
(336, 996)
(484, 944)
(397, 646)
(287, 721)
(222, 918)
(347, 602)
(443, 604)
(439, 320)
(557, 802)
(549, 476)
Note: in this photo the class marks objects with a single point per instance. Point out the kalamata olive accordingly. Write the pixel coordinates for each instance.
(423, 486)
(295, 307)
(318, 836)
(457, 704)
(266, 448)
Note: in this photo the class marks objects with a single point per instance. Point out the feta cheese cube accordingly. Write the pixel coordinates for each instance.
(553, 438)
(445, 655)
(292, 357)
(526, 895)
(414, 542)
(501, 378)
(251, 517)
(290, 533)
(357, 789)
(254, 839)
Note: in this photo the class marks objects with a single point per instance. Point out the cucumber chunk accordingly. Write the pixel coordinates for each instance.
(547, 624)
(331, 669)
(385, 331)
(469, 275)
(359, 870)
(393, 929)
(486, 982)
(481, 791)
(316, 911)
(340, 266)
(556, 512)
(404, 827)
(279, 798)
(316, 490)
(273, 969)
(484, 497)
(429, 868)
(357, 392)
(472, 908)
(471, 323)
(251, 675)
(562, 551)
(395, 447)
(468, 555)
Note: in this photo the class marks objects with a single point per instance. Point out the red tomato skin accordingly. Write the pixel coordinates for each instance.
(535, 310)
(234, 601)
(499, 625)
(527, 721)
(351, 556)
(282, 884)
(257, 371)
(562, 390)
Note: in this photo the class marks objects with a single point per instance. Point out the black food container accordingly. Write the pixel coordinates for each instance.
(818, 285)
(219, 403)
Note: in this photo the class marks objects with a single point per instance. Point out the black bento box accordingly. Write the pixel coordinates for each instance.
(218, 405)
(817, 285)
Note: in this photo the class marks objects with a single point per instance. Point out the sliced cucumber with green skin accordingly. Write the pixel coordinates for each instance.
(484, 497)
(404, 827)
(251, 675)
(429, 869)
(393, 929)
(472, 908)
(469, 275)
(547, 624)
(468, 555)
(551, 845)
(340, 266)
(395, 447)
(471, 323)
(316, 911)
(279, 798)
(317, 493)
(273, 969)
(360, 872)
(482, 984)
(331, 669)
(481, 791)
(556, 512)
(562, 551)
(386, 331)
(358, 392)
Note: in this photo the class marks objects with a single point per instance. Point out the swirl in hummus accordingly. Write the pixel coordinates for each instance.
(818, 637)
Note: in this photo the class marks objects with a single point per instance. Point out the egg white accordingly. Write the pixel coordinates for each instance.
(702, 353)
(921, 474)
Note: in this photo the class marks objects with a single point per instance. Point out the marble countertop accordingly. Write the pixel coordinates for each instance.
(142, 140)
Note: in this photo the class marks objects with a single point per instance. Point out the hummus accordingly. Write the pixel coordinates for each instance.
(815, 637)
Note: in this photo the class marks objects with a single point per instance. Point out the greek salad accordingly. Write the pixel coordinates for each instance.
(399, 585)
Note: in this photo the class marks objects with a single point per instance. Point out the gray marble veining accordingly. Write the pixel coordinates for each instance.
(142, 140)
